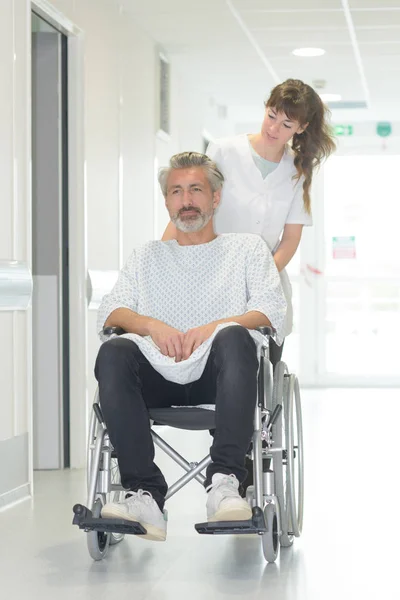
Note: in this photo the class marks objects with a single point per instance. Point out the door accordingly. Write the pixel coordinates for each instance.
(50, 247)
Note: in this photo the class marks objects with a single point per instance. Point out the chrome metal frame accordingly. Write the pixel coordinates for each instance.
(100, 449)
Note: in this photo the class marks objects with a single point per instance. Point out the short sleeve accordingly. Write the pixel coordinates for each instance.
(123, 295)
(297, 214)
(214, 152)
(265, 293)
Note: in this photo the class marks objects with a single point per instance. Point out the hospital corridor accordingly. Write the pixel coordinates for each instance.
(199, 299)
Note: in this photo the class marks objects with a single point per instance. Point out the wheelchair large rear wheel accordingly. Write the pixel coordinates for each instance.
(288, 465)
(295, 455)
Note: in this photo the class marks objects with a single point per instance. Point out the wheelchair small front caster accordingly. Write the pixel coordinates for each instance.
(270, 539)
(97, 541)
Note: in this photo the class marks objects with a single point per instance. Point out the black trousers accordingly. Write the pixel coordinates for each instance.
(129, 385)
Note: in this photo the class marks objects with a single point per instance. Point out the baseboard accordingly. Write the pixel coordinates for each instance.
(13, 497)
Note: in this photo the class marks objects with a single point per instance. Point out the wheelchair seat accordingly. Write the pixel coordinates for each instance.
(184, 417)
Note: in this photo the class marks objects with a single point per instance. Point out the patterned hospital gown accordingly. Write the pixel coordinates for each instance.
(189, 286)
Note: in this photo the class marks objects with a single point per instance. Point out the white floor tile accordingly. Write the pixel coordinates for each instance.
(348, 550)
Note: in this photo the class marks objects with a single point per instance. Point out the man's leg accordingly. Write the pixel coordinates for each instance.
(235, 364)
(229, 379)
(128, 385)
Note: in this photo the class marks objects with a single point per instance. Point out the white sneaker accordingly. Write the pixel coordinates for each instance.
(224, 502)
(141, 507)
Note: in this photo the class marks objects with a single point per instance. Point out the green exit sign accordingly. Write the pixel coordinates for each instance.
(343, 129)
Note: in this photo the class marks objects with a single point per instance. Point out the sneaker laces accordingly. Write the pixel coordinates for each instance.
(229, 484)
(140, 495)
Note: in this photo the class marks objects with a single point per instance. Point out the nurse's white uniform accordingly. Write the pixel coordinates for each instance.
(251, 204)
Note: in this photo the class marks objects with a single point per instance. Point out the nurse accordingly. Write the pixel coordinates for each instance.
(268, 177)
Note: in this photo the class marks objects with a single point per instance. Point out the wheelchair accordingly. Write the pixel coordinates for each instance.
(276, 496)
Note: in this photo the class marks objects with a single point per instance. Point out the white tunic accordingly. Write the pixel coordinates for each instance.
(189, 286)
(251, 204)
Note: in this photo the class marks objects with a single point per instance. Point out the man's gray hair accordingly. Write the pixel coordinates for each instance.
(188, 160)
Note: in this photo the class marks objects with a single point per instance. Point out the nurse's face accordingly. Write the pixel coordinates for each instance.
(190, 200)
(277, 129)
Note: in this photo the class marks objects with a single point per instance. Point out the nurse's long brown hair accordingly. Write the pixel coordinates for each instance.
(301, 103)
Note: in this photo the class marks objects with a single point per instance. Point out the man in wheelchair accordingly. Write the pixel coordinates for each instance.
(190, 308)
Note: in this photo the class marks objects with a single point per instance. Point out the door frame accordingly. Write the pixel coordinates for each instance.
(77, 232)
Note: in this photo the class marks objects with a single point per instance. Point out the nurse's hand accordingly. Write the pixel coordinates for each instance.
(195, 337)
(168, 339)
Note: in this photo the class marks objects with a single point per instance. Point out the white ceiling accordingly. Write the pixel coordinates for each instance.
(235, 51)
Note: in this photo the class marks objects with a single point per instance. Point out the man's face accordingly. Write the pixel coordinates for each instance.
(190, 200)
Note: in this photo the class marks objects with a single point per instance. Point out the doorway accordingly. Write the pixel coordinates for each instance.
(50, 252)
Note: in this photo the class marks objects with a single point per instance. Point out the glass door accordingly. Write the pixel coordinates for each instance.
(360, 289)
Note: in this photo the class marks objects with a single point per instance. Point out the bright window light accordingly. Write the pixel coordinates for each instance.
(308, 52)
(330, 97)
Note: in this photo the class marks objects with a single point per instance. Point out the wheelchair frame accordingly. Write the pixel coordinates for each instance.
(276, 498)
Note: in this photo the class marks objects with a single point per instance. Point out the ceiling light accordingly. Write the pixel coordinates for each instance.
(330, 97)
(308, 52)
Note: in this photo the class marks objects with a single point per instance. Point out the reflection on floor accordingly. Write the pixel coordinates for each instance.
(348, 550)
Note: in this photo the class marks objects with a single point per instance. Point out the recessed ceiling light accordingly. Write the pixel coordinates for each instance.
(330, 97)
(308, 52)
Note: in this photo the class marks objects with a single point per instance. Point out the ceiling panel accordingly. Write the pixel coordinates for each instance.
(295, 38)
(378, 34)
(377, 5)
(284, 5)
(175, 7)
(215, 55)
(292, 19)
(378, 18)
(380, 50)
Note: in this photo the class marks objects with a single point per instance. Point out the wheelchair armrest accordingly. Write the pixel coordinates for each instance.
(113, 331)
(265, 330)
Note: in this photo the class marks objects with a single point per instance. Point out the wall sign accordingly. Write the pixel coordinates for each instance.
(344, 247)
(384, 129)
(343, 129)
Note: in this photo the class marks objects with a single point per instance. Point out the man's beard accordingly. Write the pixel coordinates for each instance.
(192, 224)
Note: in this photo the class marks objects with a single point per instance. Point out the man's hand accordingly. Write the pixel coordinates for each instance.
(195, 337)
(168, 339)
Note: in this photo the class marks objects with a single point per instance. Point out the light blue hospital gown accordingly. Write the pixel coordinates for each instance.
(189, 286)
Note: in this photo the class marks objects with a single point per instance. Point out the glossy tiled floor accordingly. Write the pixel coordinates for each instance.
(348, 550)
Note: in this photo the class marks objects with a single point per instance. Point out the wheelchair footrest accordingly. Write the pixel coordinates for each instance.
(254, 525)
(84, 519)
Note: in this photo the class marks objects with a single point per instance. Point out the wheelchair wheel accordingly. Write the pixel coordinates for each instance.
(97, 541)
(295, 456)
(288, 466)
(270, 539)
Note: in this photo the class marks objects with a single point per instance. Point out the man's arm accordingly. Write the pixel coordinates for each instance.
(130, 321)
(196, 336)
(168, 339)
(250, 320)
(118, 309)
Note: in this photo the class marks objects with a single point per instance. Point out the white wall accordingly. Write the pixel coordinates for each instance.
(15, 369)
(119, 150)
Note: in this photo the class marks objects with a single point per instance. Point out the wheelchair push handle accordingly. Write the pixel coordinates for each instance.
(266, 331)
(113, 331)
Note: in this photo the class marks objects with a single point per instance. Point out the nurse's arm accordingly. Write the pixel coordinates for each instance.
(289, 243)
(170, 233)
